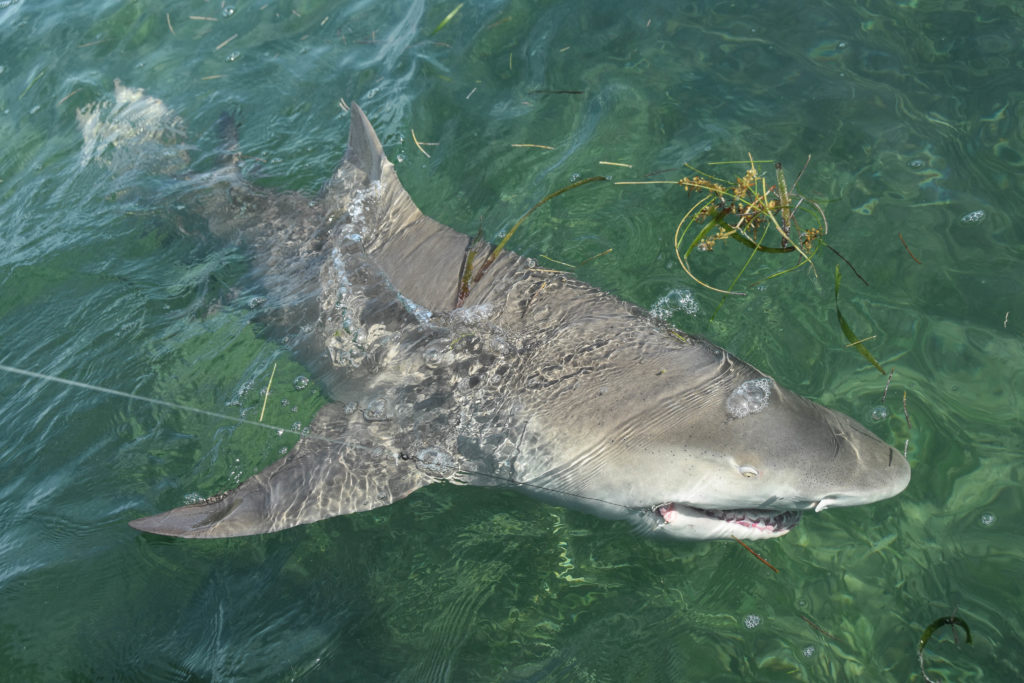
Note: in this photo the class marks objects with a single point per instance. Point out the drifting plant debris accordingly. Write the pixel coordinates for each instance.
(819, 629)
(908, 249)
(419, 145)
(555, 92)
(885, 392)
(570, 266)
(935, 625)
(266, 394)
(751, 212)
(755, 554)
(848, 331)
(747, 211)
(451, 15)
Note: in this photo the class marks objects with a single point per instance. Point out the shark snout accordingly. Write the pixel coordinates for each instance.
(876, 471)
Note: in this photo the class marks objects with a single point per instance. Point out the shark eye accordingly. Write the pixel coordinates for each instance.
(748, 471)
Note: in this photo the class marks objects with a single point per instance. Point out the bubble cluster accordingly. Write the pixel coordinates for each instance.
(879, 413)
(751, 621)
(988, 519)
(300, 382)
(472, 315)
(749, 398)
(808, 651)
(676, 300)
(973, 217)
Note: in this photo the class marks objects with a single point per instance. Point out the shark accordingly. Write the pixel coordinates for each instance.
(448, 360)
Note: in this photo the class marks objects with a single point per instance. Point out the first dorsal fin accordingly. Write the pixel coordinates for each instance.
(421, 257)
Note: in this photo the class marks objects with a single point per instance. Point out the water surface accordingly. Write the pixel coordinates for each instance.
(913, 114)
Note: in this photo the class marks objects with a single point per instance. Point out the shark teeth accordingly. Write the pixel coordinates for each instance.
(762, 520)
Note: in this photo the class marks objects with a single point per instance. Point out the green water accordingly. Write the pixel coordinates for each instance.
(914, 115)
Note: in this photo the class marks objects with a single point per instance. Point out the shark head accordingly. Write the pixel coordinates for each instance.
(791, 455)
(727, 452)
(691, 442)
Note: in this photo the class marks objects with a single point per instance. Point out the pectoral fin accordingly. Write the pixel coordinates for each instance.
(319, 478)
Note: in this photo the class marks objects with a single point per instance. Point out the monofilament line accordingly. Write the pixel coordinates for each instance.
(240, 420)
(146, 399)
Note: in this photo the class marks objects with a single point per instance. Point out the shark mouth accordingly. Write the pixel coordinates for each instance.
(748, 523)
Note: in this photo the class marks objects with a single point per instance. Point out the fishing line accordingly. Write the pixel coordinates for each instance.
(146, 399)
(280, 430)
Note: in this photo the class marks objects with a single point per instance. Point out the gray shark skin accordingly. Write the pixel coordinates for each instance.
(521, 378)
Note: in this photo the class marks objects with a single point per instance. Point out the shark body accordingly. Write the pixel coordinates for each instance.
(442, 368)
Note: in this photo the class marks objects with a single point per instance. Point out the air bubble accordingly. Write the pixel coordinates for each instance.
(233, 56)
(300, 383)
(227, 11)
(973, 217)
(988, 519)
(879, 413)
(749, 398)
(437, 354)
(436, 463)
(377, 410)
(808, 651)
